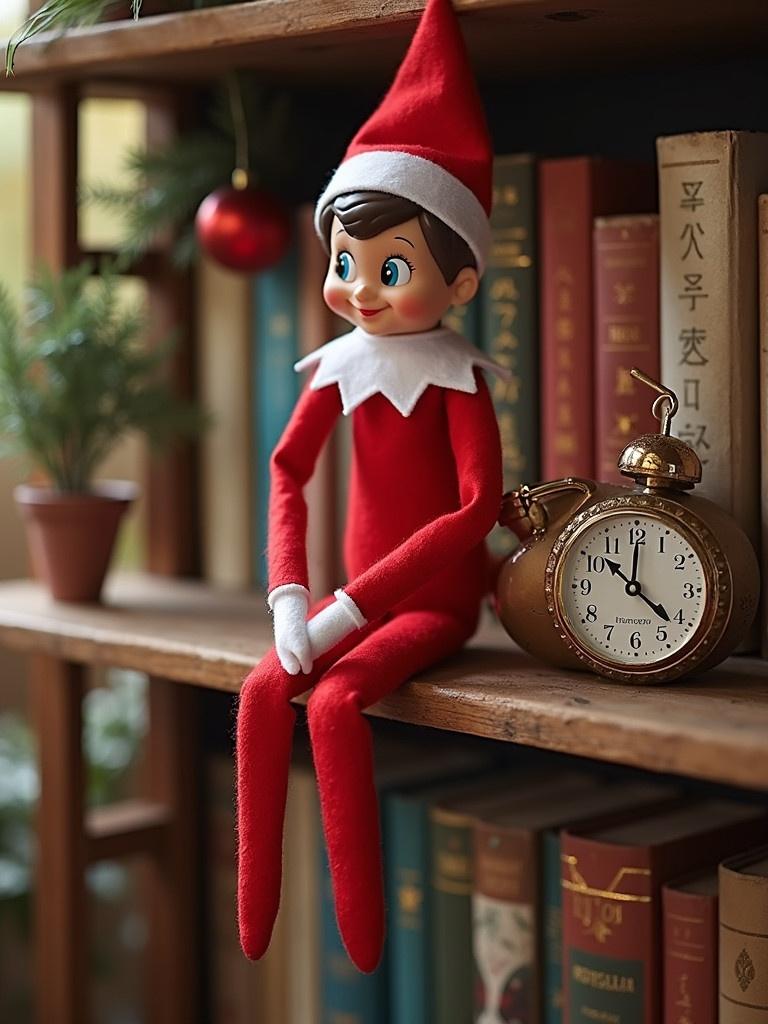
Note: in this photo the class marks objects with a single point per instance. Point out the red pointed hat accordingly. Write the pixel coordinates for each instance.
(428, 140)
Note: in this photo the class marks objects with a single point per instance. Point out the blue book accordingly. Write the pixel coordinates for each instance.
(465, 320)
(347, 995)
(275, 383)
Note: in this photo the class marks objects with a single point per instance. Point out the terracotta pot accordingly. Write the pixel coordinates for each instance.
(71, 536)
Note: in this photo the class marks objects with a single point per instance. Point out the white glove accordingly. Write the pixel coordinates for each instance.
(333, 623)
(289, 611)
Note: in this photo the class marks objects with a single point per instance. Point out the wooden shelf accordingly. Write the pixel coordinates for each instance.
(714, 728)
(313, 40)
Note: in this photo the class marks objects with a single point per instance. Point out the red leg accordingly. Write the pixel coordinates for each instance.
(265, 723)
(341, 744)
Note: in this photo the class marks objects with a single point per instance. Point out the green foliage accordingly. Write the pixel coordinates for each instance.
(62, 14)
(168, 184)
(75, 377)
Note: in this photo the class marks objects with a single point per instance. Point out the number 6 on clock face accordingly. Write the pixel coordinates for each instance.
(631, 589)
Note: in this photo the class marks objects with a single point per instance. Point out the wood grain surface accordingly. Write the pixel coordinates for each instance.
(316, 39)
(715, 727)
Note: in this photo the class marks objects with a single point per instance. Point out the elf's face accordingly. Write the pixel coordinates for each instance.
(391, 284)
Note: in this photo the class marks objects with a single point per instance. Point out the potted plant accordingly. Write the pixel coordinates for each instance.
(74, 378)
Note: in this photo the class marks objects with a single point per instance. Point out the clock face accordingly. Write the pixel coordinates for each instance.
(633, 588)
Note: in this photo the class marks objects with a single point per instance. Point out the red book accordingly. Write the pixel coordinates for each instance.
(626, 262)
(612, 879)
(572, 192)
(690, 925)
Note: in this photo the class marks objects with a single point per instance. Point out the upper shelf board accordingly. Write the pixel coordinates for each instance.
(336, 39)
(713, 728)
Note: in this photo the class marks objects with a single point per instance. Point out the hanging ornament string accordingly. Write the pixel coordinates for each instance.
(241, 176)
(241, 225)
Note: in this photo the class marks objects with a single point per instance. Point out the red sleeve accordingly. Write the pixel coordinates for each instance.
(291, 466)
(474, 435)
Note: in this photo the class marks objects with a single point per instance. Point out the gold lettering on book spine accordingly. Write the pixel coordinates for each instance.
(600, 911)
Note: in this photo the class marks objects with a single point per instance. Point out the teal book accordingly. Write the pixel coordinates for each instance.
(347, 995)
(509, 317)
(275, 383)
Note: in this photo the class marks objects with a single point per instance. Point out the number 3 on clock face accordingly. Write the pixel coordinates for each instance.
(632, 589)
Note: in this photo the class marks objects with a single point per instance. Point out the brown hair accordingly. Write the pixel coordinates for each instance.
(367, 214)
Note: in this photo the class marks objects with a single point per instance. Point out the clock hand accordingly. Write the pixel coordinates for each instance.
(635, 557)
(636, 590)
(660, 610)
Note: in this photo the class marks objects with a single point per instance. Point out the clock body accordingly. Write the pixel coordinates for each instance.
(640, 585)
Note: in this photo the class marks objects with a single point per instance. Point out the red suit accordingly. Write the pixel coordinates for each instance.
(425, 490)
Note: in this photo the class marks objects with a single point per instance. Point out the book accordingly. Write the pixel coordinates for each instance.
(572, 192)
(762, 227)
(626, 269)
(466, 320)
(452, 820)
(348, 996)
(409, 893)
(223, 352)
(612, 880)
(317, 326)
(275, 387)
(509, 296)
(689, 941)
(743, 882)
(605, 802)
(708, 185)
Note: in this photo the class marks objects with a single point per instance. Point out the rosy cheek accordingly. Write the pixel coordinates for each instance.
(413, 306)
(335, 296)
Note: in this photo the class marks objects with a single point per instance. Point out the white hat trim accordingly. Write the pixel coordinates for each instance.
(423, 182)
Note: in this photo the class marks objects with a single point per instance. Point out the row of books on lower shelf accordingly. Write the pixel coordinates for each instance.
(522, 892)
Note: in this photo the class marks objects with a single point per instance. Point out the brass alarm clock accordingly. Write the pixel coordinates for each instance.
(640, 584)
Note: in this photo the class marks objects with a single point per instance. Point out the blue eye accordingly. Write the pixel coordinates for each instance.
(395, 272)
(345, 266)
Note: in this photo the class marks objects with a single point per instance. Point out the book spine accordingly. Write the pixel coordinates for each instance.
(275, 383)
(565, 232)
(316, 327)
(504, 926)
(408, 895)
(743, 947)
(509, 295)
(224, 326)
(552, 929)
(709, 183)
(452, 871)
(689, 942)
(626, 267)
(762, 215)
(608, 933)
(467, 321)
(347, 995)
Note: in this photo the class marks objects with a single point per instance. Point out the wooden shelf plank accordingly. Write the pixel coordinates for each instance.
(714, 728)
(312, 39)
(125, 829)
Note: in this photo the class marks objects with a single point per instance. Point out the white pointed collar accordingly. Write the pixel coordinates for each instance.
(398, 366)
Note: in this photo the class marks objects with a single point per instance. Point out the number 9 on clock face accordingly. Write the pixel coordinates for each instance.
(632, 589)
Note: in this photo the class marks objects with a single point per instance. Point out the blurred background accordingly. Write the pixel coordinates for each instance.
(115, 709)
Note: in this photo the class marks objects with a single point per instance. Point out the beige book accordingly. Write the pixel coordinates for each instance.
(224, 343)
(744, 938)
(708, 188)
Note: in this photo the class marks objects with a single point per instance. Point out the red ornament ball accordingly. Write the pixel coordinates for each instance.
(243, 228)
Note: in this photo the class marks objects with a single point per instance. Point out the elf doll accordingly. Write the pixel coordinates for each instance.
(405, 223)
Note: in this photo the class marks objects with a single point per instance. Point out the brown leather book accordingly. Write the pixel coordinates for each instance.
(572, 192)
(744, 938)
(612, 880)
(626, 261)
(689, 929)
